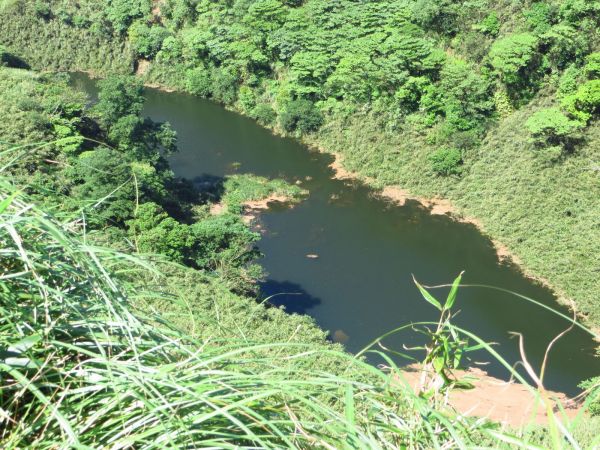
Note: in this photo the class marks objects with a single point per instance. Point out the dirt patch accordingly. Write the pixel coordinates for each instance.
(509, 403)
(156, 11)
(340, 172)
(142, 67)
(251, 208)
(259, 205)
(217, 208)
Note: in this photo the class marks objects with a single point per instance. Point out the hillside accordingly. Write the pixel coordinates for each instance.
(129, 296)
(489, 104)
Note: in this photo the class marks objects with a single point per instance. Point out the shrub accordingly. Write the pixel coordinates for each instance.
(147, 40)
(513, 57)
(593, 385)
(223, 241)
(551, 128)
(198, 82)
(585, 103)
(264, 114)
(247, 99)
(301, 115)
(446, 161)
(153, 231)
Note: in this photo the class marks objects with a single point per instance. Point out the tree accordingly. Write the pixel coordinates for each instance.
(120, 103)
(466, 95)
(119, 96)
(585, 103)
(122, 13)
(490, 25)
(198, 81)
(551, 128)
(153, 231)
(147, 40)
(513, 58)
(301, 115)
(592, 66)
(224, 85)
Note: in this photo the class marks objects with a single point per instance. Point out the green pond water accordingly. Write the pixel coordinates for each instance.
(360, 286)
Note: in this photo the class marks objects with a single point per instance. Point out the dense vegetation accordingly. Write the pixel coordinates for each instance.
(491, 104)
(165, 349)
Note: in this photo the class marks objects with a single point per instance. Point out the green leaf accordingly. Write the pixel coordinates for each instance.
(24, 344)
(427, 296)
(349, 409)
(7, 201)
(439, 363)
(453, 291)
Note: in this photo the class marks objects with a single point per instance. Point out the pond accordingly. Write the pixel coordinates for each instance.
(361, 286)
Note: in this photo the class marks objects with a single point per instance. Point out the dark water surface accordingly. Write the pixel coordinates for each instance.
(361, 284)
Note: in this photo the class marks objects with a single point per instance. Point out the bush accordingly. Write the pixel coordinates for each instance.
(585, 103)
(301, 115)
(264, 114)
(551, 128)
(153, 231)
(198, 82)
(42, 10)
(225, 85)
(446, 161)
(147, 40)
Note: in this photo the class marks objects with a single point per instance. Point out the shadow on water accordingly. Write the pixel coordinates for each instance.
(361, 285)
(289, 295)
(211, 187)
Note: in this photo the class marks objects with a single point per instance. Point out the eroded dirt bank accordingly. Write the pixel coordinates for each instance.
(509, 403)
